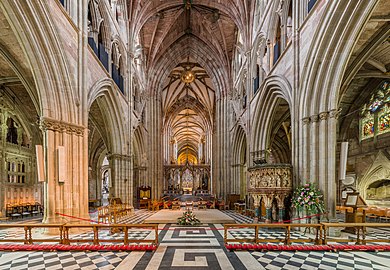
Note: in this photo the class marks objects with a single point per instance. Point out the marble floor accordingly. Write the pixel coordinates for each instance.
(198, 247)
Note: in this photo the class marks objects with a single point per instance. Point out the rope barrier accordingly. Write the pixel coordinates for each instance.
(217, 229)
(79, 218)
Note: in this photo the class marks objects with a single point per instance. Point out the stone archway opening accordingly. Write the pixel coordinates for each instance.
(19, 127)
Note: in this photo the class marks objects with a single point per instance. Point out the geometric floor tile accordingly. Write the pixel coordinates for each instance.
(199, 247)
(66, 260)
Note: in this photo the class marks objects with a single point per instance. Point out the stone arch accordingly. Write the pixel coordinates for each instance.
(321, 80)
(239, 161)
(121, 53)
(52, 93)
(104, 90)
(94, 12)
(139, 157)
(274, 87)
(379, 170)
(259, 52)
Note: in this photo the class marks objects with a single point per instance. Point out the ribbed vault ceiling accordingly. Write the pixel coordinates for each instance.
(162, 26)
(188, 107)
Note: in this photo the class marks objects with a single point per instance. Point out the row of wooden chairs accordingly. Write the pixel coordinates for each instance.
(377, 213)
(23, 210)
(372, 212)
(113, 213)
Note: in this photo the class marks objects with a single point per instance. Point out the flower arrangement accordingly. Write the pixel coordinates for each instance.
(309, 198)
(188, 218)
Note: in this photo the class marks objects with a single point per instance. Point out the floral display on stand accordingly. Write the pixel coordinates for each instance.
(188, 218)
(308, 198)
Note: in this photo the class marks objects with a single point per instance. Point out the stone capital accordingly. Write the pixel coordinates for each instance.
(46, 123)
(314, 118)
(324, 115)
(118, 157)
(306, 120)
(334, 113)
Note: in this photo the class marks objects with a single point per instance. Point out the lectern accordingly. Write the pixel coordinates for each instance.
(358, 215)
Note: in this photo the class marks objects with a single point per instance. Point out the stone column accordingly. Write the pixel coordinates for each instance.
(281, 208)
(313, 149)
(70, 197)
(305, 153)
(3, 165)
(256, 204)
(268, 208)
(120, 177)
(154, 148)
(323, 153)
(331, 168)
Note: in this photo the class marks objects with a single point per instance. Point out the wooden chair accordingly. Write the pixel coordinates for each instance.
(386, 216)
(17, 211)
(8, 210)
(222, 205)
(26, 210)
(212, 205)
(176, 205)
(202, 205)
(370, 212)
(166, 204)
(103, 214)
(150, 205)
(156, 205)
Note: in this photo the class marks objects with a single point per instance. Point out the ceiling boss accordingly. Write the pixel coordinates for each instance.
(187, 76)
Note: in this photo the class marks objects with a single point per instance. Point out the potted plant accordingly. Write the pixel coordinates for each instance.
(188, 218)
(308, 199)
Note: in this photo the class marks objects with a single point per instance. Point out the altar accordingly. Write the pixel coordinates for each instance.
(186, 178)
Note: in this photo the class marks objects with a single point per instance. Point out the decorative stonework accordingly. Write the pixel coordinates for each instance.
(274, 177)
(269, 182)
(306, 120)
(60, 126)
(324, 116)
(119, 157)
(334, 113)
(314, 118)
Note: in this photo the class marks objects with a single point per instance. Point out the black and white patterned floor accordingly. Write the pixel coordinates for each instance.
(198, 247)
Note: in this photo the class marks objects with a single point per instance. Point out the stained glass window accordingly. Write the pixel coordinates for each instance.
(384, 119)
(368, 129)
(375, 118)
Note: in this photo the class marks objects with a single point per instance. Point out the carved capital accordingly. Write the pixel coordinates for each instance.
(324, 115)
(306, 120)
(334, 113)
(60, 126)
(256, 200)
(119, 157)
(314, 118)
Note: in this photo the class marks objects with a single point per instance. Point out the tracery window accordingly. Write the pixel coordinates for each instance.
(16, 172)
(375, 118)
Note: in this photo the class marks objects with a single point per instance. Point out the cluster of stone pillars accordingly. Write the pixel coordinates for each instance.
(268, 200)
